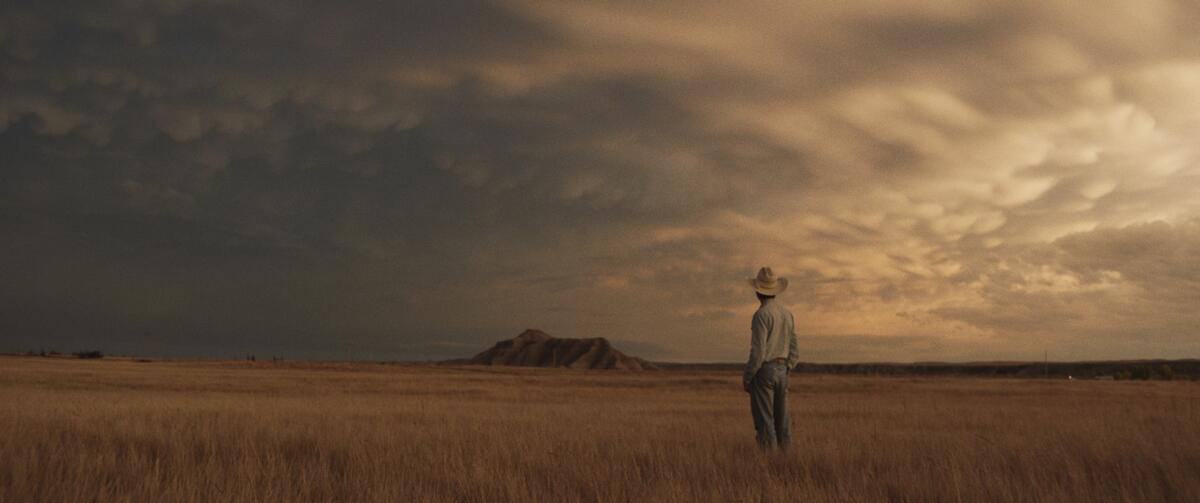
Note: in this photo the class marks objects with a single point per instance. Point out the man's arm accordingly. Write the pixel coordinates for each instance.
(793, 346)
(758, 338)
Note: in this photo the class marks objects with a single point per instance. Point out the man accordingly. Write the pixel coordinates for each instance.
(773, 352)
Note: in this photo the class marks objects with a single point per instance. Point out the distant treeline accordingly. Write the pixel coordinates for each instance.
(86, 354)
(1117, 370)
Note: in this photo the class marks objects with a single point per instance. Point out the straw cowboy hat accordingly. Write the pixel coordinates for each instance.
(767, 284)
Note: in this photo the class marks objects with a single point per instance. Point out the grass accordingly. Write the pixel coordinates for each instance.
(111, 430)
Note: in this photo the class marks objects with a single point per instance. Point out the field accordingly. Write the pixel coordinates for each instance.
(121, 430)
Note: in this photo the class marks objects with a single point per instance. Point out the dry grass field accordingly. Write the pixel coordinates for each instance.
(108, 430)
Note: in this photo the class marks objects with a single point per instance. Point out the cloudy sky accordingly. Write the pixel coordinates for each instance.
(950, 180)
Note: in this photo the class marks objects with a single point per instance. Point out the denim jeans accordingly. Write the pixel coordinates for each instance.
(768, 405)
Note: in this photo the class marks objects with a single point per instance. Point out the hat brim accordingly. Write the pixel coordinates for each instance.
(781, 284)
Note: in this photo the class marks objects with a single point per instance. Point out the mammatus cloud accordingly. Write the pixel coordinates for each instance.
(941, 180)
(1123, 289)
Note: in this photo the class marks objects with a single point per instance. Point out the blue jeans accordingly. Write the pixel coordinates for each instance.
(768, 405)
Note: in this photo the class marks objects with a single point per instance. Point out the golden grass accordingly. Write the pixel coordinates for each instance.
(74, 430)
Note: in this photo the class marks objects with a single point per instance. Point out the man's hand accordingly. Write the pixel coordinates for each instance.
(746, 386)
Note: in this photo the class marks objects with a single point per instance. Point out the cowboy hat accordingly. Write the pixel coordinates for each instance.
(767, 284)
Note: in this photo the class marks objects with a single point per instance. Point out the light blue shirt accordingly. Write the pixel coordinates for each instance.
(772, 335)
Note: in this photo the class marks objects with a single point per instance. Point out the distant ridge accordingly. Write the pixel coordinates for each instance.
(1135, 369)
(535, 348)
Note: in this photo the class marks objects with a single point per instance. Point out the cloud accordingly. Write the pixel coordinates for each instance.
(1110, 291)
(926, 171)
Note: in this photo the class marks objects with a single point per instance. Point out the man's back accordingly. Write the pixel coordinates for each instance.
(772, 336)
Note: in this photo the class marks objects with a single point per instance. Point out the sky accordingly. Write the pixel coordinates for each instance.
(939, 180)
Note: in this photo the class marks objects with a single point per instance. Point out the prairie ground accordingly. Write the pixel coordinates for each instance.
(120, 430)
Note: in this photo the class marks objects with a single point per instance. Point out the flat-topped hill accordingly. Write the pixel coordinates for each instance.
(534, 348)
